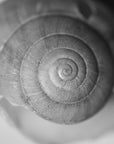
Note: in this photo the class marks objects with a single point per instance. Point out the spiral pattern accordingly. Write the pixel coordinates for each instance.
(61, 68)
(59, 85)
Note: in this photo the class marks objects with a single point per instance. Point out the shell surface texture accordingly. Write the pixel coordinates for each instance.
(54, 60)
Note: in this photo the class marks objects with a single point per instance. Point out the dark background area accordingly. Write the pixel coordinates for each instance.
(109, 3)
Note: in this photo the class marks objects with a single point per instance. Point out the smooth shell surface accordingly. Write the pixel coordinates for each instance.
(59, 67)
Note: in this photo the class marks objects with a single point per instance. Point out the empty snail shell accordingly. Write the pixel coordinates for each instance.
(56, 64)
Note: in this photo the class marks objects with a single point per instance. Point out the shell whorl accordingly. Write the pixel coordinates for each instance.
(59, 66)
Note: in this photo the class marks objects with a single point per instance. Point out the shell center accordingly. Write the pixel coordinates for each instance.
(67, 69)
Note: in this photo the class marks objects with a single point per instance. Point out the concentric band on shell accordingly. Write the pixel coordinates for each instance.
(72, 88)
(60, 68)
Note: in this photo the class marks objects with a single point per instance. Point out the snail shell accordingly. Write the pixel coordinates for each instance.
(57, 65)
